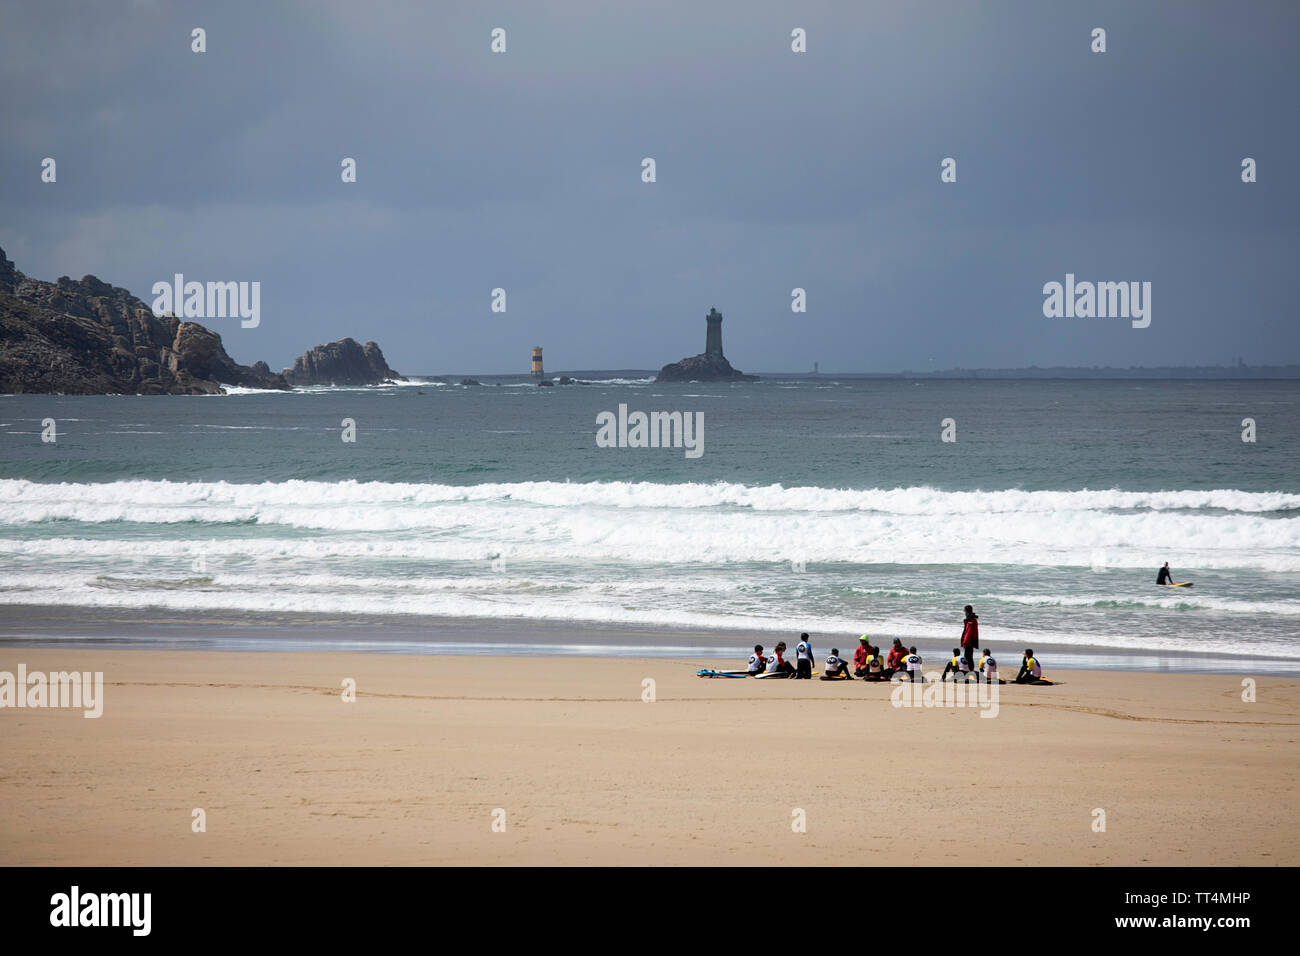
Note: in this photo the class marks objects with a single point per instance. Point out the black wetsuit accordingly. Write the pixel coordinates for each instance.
(1164, 577)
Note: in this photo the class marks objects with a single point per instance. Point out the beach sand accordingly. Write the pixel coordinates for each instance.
(587, 772)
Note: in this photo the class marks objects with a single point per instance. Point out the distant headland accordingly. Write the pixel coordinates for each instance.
(86, 337)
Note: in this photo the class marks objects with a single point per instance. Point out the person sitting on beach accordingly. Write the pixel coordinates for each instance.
(876, 665)
(956, 665)
(803, 657)
(876, 669)
(913, 662)
(896, 654)
(860, 657)
(990, 669)
(1031, 672)
(778, 664)
(757, 662)
(837, 668)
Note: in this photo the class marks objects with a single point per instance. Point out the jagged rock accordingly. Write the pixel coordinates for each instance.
(90, 338)
(546, 382)
(8, 274)
(703, 368)
(470, 381)
(344, 362)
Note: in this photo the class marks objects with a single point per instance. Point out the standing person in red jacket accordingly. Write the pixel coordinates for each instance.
(970, 638)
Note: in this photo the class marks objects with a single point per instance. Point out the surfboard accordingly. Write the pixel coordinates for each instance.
(1180, 584)
(708, 673)
(777, 673)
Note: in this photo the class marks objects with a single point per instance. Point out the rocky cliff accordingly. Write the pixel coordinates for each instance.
(90, 338)
(344, 362)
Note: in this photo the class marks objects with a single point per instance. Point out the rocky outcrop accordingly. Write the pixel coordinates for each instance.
(344, 362)
(703, 368)
(710, 365)
(90, 338)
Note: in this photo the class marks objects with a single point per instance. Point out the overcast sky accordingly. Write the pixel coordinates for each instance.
(775, 170)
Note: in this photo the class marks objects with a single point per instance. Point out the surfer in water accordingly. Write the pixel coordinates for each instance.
(1165, 576)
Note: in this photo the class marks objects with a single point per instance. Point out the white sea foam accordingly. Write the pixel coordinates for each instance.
(896, 501)
(618, 381)
(1186, 600)
(720, 556)
(294, 596)
(244, 390)
(706, 523)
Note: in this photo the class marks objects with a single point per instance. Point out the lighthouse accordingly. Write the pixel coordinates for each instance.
(713, 337)
(537, 362)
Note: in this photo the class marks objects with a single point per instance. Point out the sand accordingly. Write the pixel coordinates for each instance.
(584, 771)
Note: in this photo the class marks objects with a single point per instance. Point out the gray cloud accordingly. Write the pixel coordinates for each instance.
(775, 170)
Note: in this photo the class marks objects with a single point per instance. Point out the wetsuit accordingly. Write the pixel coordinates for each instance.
(970, 640)
(1030, 672)
(837, 668)
(803, 658)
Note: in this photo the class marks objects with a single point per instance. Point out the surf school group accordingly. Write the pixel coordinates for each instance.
(903, 662)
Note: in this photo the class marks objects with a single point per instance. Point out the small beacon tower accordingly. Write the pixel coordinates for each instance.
(713, 338)
(537, 362)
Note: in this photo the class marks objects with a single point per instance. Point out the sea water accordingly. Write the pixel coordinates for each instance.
(818, 504)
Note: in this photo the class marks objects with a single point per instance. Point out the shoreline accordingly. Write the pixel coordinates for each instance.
(46, 626)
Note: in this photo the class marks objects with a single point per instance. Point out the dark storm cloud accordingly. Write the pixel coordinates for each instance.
(775, 170)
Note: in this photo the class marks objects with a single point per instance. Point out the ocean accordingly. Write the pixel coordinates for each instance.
(460, 514)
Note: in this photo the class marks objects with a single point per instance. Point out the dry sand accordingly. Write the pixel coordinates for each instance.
(711, 772)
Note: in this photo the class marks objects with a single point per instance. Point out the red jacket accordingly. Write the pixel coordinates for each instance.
(896, 655)
(860, 656)
(970, 635)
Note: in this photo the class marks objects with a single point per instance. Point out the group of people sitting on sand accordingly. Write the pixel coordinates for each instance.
(901, 661)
